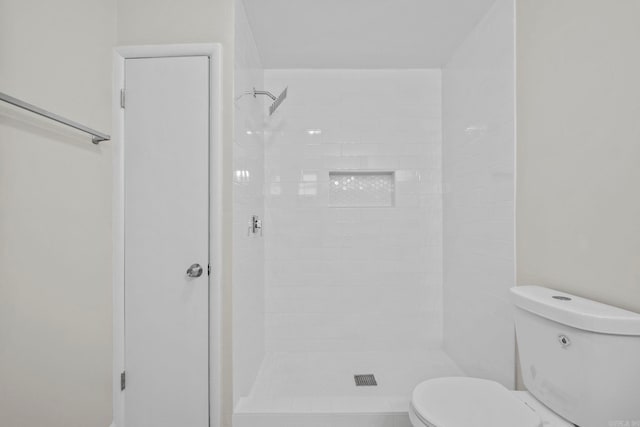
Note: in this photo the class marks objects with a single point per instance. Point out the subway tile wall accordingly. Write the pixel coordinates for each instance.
(478, 174)
(353, 278)
(248, 200)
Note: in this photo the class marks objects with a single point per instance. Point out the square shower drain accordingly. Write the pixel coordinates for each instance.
(365, 380)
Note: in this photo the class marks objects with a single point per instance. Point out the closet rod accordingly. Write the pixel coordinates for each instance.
(97, 137)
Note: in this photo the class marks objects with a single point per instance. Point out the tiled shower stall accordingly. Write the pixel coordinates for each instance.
(375, 189)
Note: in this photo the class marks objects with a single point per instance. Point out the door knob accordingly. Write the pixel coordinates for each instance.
(195, 270)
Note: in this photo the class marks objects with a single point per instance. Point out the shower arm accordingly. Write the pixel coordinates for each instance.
(263, 92)
(277, 100)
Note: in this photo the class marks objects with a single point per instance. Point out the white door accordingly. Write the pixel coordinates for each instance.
(166, 180)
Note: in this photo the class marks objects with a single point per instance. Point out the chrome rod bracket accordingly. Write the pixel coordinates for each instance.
(97, 139)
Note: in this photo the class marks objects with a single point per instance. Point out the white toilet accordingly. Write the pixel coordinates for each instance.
(580, 361)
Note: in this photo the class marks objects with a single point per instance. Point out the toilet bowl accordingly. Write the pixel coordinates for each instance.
(463, 402)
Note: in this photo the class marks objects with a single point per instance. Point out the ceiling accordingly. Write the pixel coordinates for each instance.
(361, 33)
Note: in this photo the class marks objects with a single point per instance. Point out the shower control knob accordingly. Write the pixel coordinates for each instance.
(195, 270)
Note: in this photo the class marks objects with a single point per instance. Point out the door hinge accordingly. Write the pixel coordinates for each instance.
(208, 269)
(121, 98)
(123, 380)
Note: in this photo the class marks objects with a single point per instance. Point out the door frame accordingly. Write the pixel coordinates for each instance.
(214, 52)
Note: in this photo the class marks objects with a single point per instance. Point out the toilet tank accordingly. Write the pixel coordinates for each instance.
(579, 357)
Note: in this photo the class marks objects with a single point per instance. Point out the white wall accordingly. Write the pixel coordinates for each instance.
(478, 175)
(248, 200)
(55, 215)
(578, 211)
(353, 279)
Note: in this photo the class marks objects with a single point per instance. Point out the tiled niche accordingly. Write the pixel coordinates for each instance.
(361, 189)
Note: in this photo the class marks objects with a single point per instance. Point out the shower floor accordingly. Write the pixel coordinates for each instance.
(323, 384)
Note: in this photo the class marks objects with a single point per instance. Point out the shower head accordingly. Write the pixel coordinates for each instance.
(276, 100)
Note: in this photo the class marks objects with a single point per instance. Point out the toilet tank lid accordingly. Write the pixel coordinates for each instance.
(575, 311)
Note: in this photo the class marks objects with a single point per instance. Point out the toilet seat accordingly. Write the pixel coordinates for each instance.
(464, 402)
